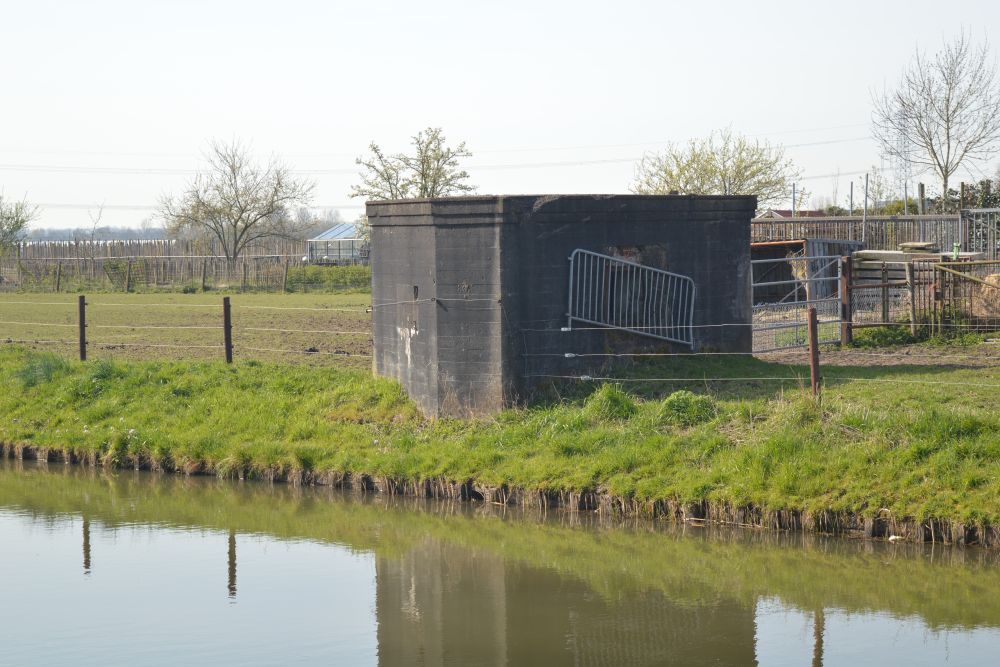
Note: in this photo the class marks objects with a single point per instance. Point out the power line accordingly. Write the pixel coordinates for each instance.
(539, 149)
(149, 207)
(159, 171)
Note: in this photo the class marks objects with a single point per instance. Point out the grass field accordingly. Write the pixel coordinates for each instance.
(335, 327)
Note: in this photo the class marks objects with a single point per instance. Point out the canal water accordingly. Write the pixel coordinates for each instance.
(135, 568)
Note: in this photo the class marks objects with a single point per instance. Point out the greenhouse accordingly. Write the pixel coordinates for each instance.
(341, 244)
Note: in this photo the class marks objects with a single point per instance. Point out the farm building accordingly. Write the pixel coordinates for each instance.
(478, 300)
(341, 244)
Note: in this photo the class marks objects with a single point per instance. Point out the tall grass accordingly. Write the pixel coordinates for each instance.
(908, 449)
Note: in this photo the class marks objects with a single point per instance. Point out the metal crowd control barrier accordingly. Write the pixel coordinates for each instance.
(618, 294)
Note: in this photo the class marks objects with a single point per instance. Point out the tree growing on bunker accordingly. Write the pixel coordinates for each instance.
(237, 201)
(432, 170)
(15, 216)
(944, 112)
(724, 163)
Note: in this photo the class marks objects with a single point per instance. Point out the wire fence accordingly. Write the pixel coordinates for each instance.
(340, 334)
(191, 273)
(113, 326)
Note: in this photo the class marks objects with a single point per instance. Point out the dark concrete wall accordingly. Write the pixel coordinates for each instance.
(498, 269)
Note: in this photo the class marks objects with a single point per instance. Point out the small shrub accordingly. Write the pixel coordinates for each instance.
(190, 289)
(328, 278)
(103, 370)
(41, 368)
(687, 409)
(884, 337)
(609, 403)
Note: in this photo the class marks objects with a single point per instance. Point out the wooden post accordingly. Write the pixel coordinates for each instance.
(913, 298)
(82, 317)
(58, 276)
(921, 199)
(128, 276)
(243, 285)
(885, 294)
(204, 271)
(227, 328)
(814, 351)
(846, 330)
(284, 277)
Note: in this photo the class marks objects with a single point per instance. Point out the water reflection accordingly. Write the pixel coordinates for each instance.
(231, 562)
(463, 607)
(86, 544)
(465, 585)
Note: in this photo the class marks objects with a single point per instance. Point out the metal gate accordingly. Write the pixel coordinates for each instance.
(982, 231)
(784, 289)
(619, 294)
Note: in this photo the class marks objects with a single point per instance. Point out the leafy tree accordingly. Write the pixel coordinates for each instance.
(236, 201)
(896, 207)
(433, 170)
(724, 163)
(984, 194)
(945, 111)
(14, 219)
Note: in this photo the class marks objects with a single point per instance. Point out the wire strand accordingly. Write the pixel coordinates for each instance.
(38, 324)
(157, 345)
(270, 349)
(319, 331)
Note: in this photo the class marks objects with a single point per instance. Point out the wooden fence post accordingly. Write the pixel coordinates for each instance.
(846, 330)
(128, 276)
(204, 271)
(82, 318)
(814, 352)
(227, 328)
(243, 285)
(284, 277)
(58, 276)
(913, 298)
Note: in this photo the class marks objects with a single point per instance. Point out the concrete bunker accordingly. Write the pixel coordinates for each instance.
(479, 300)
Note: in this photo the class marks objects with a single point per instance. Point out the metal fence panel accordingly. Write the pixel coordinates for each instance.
(784, 291)
(615, 293)
(982, 227)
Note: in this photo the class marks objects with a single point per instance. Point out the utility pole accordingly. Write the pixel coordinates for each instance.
(906, 199)
(793, 200)
(864, 214)
(852, 198)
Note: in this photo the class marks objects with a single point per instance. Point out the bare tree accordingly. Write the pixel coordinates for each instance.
(944, 112)
(86, 239)
(432, 171)
(237, 201)
(14, 219)
(724, 163)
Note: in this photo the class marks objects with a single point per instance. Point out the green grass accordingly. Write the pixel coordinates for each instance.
(912, 441)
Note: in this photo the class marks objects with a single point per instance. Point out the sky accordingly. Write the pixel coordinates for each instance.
(115, 103)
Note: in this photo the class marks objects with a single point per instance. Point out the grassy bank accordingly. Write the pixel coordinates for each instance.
(893, 443)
